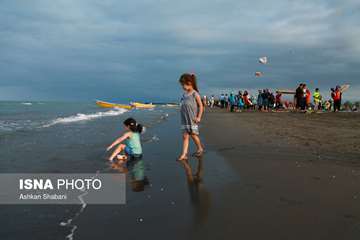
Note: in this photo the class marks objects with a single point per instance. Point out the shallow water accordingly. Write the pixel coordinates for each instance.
(176, 202)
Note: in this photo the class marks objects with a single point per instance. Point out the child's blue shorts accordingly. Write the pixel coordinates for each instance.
(128, 151)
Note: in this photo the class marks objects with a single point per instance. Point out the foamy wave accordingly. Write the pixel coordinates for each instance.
(85, 117)
(27, 103)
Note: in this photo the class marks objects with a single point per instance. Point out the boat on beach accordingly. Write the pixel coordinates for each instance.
(132, 105)
(142, 105)
(104, 104)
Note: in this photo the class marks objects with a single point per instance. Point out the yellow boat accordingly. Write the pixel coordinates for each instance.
(142, 105)
(112, 105)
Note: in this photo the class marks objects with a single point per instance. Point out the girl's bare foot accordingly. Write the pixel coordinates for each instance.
(199, 153)
(182, 158)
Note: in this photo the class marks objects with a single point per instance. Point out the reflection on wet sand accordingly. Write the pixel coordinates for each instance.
(135, 168)
(200, 197)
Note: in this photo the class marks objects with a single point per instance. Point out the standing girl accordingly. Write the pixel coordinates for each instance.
(191, 112)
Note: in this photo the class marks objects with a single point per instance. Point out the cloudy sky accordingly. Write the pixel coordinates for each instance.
(126, 49)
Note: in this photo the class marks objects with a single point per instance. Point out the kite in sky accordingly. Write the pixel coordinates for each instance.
(263, 60)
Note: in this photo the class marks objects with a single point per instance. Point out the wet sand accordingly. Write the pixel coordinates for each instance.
(300, 177)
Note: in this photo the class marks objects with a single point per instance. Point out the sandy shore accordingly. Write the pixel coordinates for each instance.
(300, 174)
(327, 135)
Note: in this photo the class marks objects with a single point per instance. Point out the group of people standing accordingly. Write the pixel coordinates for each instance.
(242, 100)
(267, 100)
(302, 99)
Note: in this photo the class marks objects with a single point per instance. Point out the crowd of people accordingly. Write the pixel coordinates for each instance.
(266, 100)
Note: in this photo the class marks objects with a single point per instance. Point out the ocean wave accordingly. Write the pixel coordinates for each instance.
(85, 117)
(7, 127)
(26, 103)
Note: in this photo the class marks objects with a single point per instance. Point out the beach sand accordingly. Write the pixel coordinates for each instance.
(300, 174)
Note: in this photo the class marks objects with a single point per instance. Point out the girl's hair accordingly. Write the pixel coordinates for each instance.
(133, 125)
(189, 78)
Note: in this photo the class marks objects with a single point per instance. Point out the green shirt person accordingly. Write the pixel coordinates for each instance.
(317, 99)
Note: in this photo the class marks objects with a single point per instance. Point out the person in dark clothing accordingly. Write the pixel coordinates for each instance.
(298, 96)
(271, 100)
(265, 99)
(260, 101)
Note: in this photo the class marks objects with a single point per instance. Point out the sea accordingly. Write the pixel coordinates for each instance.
(175, 200)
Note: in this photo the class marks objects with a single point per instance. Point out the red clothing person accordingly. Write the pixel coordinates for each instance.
(308, 97)
(336, 96)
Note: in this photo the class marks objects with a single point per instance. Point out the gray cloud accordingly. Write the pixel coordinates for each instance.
(125, 49)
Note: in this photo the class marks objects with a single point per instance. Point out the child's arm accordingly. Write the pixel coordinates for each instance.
(118, 141)
(201, 108)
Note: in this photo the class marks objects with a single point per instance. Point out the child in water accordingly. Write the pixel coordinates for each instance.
(132, 142)
(191, 112)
